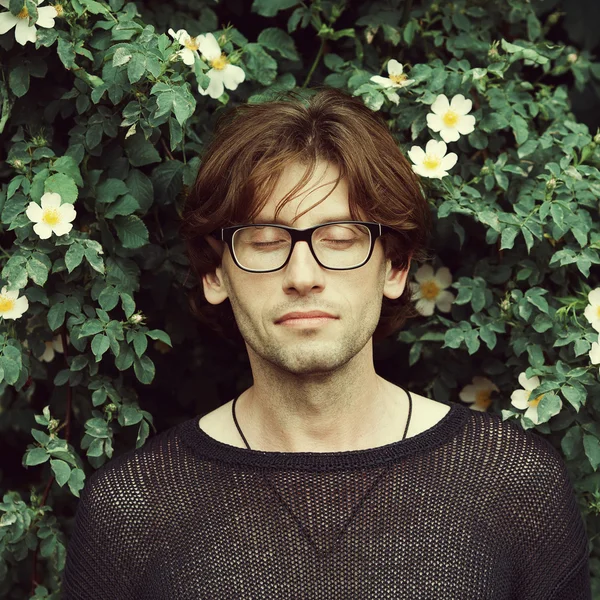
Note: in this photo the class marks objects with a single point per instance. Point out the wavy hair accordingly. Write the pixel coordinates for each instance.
(250, 147)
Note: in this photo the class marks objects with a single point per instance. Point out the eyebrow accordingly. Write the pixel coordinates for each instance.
(278, 221)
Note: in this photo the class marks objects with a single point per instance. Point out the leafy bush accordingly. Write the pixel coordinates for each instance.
(105, 112)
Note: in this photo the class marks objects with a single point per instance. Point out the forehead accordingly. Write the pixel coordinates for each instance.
(309, 199)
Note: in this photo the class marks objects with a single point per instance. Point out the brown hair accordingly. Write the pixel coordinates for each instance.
(251, 146)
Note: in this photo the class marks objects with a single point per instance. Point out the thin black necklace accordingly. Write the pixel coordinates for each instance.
(248, 446)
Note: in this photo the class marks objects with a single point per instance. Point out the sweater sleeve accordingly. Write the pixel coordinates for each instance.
(106, 553)
(549, 542)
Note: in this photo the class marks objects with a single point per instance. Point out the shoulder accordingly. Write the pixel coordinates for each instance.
(132, 477)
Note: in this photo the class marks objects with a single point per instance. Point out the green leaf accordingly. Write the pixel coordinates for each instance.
(94, 260)
(279, 41)
(96, 8)
(74, 256)
(177, 99)
(136, 67)
(140, 187)
(100, 344)
(36, 456)
(140, 151)
(108, 191)
(260, 65)
(62, 471)
(168, 181)
(140, 343)
(591, 445)
(269, 8)
(144, 369)
(56, 315)
(493, 122)
(157, 334)
(68, 166)
(38, 268)
(66, 52)
(125, 205)
(508, 237)
(131, 231)
(62, 184)
(18, 80)
(108, 297)
(520, 128)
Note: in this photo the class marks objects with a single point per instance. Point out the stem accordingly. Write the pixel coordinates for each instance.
(314, 65)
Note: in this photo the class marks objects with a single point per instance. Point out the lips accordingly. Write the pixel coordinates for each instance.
(313, 314)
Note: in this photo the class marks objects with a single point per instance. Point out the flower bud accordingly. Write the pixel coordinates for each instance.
(551, 183)
(572, 58)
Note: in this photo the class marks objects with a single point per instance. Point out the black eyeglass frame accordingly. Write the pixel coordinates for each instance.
(225, 234)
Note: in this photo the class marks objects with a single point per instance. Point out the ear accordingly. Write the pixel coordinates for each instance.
(214, 282)
(395, 280)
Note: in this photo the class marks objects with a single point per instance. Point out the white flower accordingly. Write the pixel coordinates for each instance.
(190, 45)
(23, 31)
(11, 306)
(520, 398)
(52, 216)
(594, 353)
(430, 290)
(478, 393)
(55, 345)
(397, 79)
(451, 118)
(222, 73)
(592, 310)
(433, 161)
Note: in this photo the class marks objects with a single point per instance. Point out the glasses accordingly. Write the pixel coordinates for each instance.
(337, 245)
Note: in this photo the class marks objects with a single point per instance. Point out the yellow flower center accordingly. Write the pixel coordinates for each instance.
(398, 79)
(450, 118)
(59, 10)
(192, 44)
(536, 401)
(23, 14)
(51, 216)
(483, 399)
(6, 304)
(219, 63)
(598, 311)
(431, 162)
(429, 289)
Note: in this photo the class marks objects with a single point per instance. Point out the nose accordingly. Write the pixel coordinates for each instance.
(303, 274)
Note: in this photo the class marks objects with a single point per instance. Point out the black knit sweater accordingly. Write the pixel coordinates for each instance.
(472, 508)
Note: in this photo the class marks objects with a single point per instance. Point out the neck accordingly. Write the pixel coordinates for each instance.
(351, 408)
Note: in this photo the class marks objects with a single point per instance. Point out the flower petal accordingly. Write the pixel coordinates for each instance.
(51, 200)
(440, 105)
(466, 124)
(209, 47)
(67, 212)
(434, 122)
(46, 16)
(187, 56)
(416, 154)
(520, 399)
(24, 33)
(394, 67)
(62, 228)
(233, 76)
(181, 35)
(443, 277)
(7, 21)
(449, 161)
(43, 230)
(436, 148)
(594, 296)
(424, 273)
(425, 307)
(215, 87)
(382, 81)
(444, 301)
(34, 212)
(449, 134)
(461, 105)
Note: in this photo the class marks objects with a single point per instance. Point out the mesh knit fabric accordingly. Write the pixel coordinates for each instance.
(473, 508)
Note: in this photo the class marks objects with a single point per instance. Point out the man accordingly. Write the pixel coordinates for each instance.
(322, 480)
(315, 386)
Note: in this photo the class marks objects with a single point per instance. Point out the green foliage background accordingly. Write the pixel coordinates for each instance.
(98, 111)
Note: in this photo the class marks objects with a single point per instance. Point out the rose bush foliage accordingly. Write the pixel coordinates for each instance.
(105, 111)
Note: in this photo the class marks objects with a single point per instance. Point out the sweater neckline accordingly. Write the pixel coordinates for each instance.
(208, 447)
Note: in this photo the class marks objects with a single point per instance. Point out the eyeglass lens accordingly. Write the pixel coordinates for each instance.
(262, 248)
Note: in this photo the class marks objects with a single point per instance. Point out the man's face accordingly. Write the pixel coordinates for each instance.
(353, 297)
